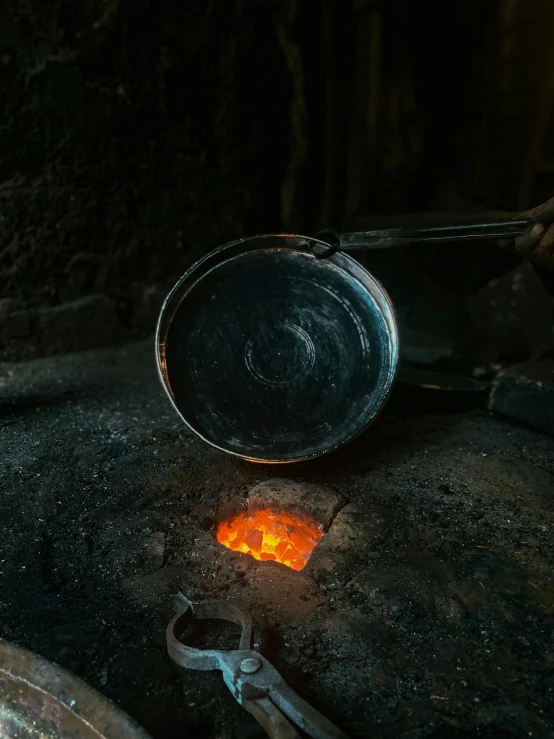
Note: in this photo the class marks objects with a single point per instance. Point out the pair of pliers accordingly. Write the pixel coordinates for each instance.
(254, 682)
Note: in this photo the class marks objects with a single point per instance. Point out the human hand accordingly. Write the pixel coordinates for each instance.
(538, 239)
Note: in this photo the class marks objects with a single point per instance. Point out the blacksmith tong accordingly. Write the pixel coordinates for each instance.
(501, 232)
(253, 681)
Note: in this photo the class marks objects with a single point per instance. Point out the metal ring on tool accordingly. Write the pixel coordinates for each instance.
(329, 236)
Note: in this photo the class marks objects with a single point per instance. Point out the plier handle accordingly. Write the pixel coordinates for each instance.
(254, 682)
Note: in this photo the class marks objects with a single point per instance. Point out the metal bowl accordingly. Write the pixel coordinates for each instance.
(39, 700)
(273, 355)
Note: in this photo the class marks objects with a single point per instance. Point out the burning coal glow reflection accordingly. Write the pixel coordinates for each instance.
(271, 535)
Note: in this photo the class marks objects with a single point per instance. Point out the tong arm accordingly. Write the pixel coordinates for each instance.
(502, 233)
(395, 237)
(249, 676)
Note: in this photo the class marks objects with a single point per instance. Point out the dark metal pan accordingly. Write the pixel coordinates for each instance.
(282, 348)
(274, 355)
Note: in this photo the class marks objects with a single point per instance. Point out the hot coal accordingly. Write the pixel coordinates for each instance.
(275, 535)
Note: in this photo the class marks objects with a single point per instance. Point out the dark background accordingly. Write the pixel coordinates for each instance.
(137, 135)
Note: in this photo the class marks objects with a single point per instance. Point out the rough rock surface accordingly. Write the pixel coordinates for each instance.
(361, 526)
(516, 314)
(136, 137)
(88, 322)
(320, 502)
(526, 394)
(433, 619)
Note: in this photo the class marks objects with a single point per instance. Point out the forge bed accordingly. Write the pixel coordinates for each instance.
(433, 620)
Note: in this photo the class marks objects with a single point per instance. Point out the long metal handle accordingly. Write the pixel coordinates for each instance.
(305, 716)
(500, 233)
(271, 719)
(391, 238)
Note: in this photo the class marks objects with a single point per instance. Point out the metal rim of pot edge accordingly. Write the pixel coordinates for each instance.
(40, 699)
(222, 267)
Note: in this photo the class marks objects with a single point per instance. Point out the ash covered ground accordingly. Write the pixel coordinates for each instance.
(430, 616)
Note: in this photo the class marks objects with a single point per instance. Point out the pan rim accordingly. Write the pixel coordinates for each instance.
(57, 686)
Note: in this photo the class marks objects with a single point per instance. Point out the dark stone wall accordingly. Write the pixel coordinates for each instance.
(135, 135)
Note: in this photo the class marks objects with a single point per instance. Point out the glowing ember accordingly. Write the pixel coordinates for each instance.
(268, 534)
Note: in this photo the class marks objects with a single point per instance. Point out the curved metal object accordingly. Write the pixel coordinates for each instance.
(273, 355)
(40, 700)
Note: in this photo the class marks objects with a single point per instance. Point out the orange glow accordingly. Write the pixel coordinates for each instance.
(266, 534)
